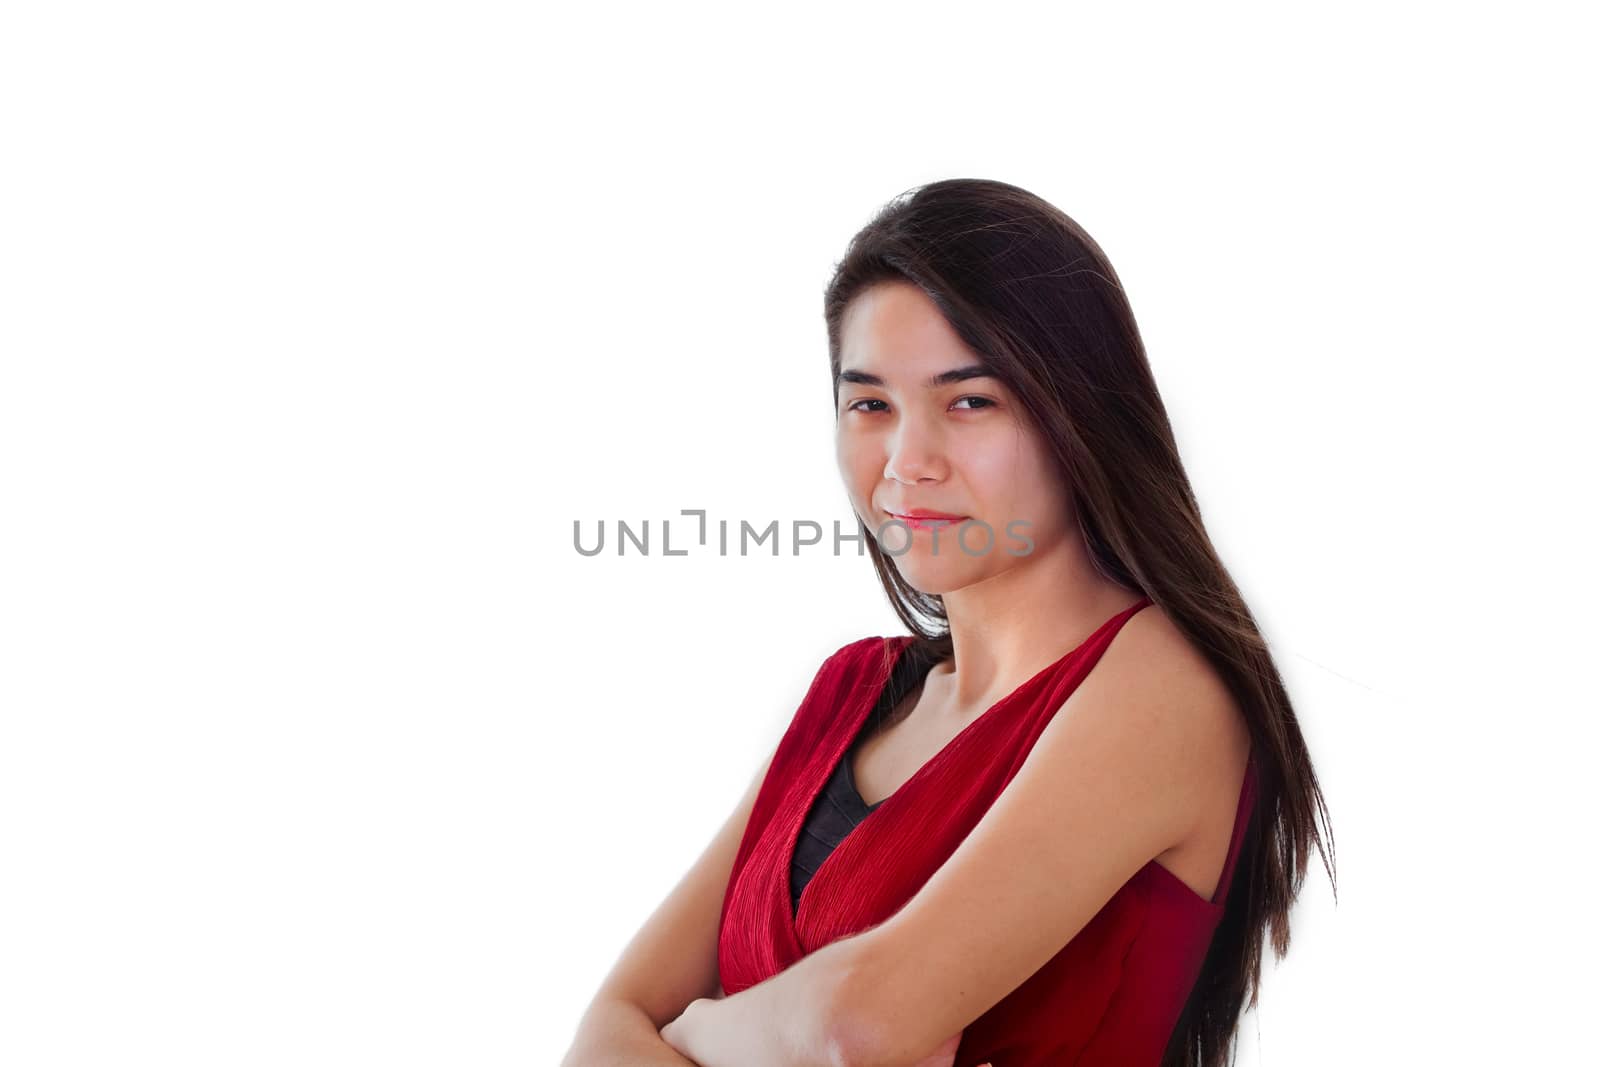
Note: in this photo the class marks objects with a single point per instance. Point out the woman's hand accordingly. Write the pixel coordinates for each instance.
(945, 1054)
(677, 1032)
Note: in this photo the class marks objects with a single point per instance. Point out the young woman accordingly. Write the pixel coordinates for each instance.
(1054, 822)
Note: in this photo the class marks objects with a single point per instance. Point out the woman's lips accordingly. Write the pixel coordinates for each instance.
(927, 520)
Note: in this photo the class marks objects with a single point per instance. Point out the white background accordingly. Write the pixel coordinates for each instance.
(323, 322)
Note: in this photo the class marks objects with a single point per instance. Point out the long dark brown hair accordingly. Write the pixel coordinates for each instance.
(1028, 290)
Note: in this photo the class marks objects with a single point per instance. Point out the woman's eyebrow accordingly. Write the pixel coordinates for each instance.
(949, 377)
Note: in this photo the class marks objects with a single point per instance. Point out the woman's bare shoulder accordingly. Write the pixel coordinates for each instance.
(1152, 653)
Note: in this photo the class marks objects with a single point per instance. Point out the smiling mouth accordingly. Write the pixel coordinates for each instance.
(928, 522)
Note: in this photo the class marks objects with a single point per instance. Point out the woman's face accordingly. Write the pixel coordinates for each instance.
(961, 447)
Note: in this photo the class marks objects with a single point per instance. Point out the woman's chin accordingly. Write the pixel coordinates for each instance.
(936, 577)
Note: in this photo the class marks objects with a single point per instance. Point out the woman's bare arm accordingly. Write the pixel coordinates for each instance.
(614, 1033)
(670, 962)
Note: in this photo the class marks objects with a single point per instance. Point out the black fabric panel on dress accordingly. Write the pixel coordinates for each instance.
(840, 808)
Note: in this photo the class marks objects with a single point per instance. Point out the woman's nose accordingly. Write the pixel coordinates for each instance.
(915, 454)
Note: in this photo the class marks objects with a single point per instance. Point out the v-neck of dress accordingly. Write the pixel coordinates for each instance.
(843, 742)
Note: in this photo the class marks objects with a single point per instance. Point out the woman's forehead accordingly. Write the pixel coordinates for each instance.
(903, 345)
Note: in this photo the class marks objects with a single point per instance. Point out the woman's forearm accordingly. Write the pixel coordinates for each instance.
(786, 1021)
(615, 1033)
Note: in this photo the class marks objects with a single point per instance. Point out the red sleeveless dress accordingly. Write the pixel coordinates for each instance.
(1111, 995)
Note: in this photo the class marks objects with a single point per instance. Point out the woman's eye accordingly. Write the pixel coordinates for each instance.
(981, 401)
